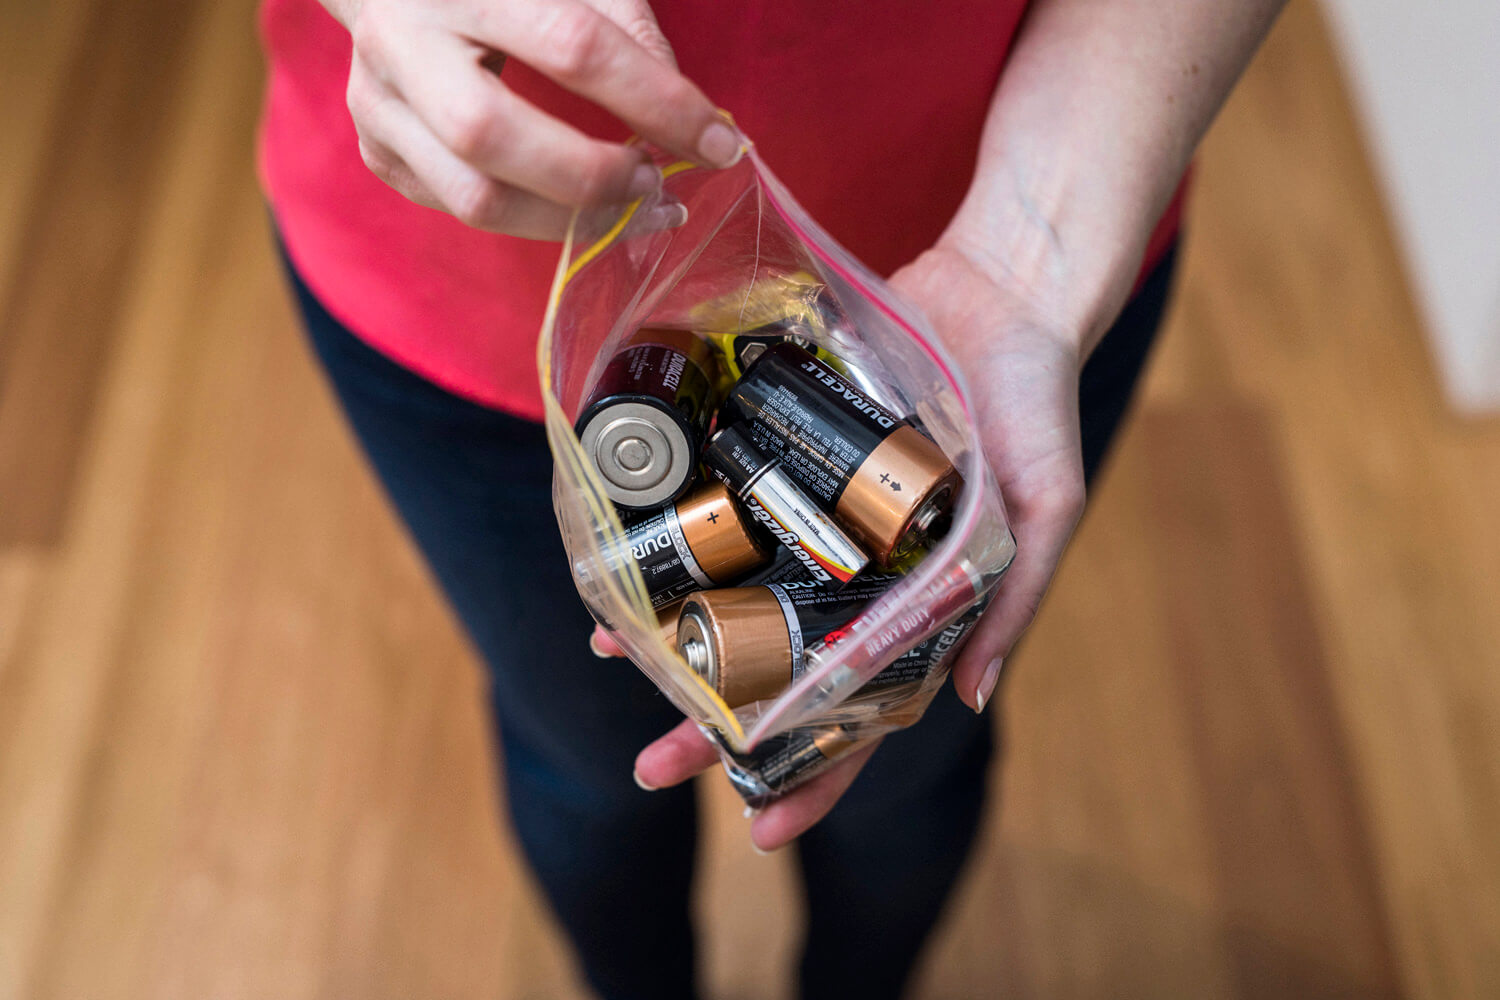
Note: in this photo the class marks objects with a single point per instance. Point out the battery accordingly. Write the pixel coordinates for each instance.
(957, 592)
(919, 662)
(747, 642)
(738, 351)
(878, 475)
(784, 762)
(784, 567)
(699, 542)
(643, 423)
(774, 500)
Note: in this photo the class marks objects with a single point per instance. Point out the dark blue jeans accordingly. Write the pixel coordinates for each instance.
(474, 486)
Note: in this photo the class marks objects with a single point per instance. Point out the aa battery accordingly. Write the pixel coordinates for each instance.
(748, 642)
(699, 542)
(644, 421)
(879, 475)
(775, 502)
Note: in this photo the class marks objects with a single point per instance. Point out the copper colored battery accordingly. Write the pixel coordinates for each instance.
(876, 473)
(786, 762)
(701, 541)
(738, 640)
(748, 642)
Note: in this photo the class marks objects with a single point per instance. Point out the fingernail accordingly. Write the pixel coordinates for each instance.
(643, 180)
(641, 782)
(594, 646)
(719, 146)
(751, 812)
(668, 216)
(987, 682)
(759, 850)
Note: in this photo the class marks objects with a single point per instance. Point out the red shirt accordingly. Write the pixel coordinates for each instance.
(870, 114)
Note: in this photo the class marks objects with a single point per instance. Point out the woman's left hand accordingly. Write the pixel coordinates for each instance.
(1021, 363)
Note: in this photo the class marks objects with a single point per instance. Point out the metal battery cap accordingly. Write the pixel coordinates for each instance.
(696, 645)
(920, 529)
(642, 454)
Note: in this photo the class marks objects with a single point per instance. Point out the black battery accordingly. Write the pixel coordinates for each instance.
(919, 662)
(643, 424)
(783, 763)
(875, 472)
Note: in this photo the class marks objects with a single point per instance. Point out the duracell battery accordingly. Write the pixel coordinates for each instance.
(747, 642)
(782, 763)
(700, 542)
(878, 475)
(775, 502)
(644, 421)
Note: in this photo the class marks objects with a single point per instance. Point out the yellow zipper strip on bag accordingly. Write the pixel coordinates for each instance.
(569, 453)
(614, 231)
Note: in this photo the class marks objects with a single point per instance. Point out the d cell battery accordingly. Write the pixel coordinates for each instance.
(878, 475)
(643, 423)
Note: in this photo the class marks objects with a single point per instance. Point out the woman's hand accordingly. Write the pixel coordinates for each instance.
(1022, 371)
(1021, 364)
(437, 123)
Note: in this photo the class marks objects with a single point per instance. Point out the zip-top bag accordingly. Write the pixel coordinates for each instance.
(748, 259)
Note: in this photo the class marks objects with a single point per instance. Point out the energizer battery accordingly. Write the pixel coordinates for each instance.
(778, 505)
(747, 642)
(699, 542)
(644, 421)
(879, 475)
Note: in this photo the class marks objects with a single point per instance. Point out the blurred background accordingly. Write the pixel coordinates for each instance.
(1253, 741)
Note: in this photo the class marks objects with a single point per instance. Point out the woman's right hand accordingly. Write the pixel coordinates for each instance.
(437, 123)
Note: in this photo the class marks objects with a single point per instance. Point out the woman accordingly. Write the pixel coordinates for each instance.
(1015, 167)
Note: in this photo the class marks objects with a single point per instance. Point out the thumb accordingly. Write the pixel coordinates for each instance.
(637, 20)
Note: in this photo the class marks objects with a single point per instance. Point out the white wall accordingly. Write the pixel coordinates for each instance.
(1426, 76)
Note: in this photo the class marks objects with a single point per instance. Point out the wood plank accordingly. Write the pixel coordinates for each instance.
(78, 231)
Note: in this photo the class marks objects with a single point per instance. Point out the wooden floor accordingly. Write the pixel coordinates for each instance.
(1253, 742)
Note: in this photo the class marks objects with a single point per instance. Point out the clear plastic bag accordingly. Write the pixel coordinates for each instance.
(746, 255)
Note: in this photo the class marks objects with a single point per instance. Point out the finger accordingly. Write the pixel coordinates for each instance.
(603, 644)
(385, 164)
(787, 819)
(638, 21)
(589, 54)
(675, 757)
(456, 186)
(1043, 526)
(488, 126)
